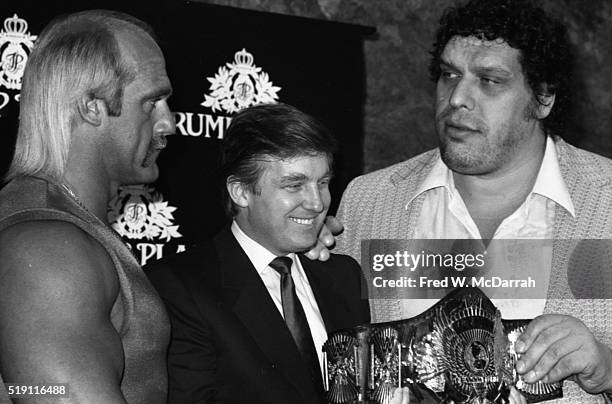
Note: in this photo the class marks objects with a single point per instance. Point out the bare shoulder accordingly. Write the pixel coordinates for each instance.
(57, 255)
(57, 289)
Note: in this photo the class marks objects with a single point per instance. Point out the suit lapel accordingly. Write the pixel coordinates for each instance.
(245, 294)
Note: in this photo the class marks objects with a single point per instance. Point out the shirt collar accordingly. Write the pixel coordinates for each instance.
(549, 181)
(439, 177)
(259, 255)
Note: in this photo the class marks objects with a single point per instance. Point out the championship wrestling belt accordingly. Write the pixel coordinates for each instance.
(458, 351)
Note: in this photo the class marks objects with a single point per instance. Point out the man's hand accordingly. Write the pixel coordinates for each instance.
(516, 397)
(400, 396)
(326, 241)
(555, 347)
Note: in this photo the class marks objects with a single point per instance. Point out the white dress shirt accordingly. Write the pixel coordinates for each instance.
(445, 216)
(260, 258)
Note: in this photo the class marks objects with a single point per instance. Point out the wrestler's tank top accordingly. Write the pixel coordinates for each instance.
(138, 313)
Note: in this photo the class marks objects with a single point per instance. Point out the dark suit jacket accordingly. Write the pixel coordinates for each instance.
(229, 342)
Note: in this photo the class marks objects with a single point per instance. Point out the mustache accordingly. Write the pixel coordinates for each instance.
(159, 142)
(461, 118)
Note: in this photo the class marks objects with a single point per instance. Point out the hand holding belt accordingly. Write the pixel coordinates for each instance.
(296, 319)
(460, 350)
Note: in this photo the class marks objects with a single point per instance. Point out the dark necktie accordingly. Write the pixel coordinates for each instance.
(296, 319)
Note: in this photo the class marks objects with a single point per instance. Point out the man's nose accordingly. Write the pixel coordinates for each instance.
(462, 95)
(313, 200)
(165, 123)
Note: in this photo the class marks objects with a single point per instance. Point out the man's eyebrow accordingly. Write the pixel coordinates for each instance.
(481, 70)
(164, 92)
(494, 70)
(294, 177)
(446, 63)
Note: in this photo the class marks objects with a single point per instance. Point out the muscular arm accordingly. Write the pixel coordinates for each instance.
(57, 288)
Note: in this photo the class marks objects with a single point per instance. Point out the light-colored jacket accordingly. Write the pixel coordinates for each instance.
(375, 206)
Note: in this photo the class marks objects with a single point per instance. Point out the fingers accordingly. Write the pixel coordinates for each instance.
(325, 240)
(558, 361)
(324, 254)
(535, 327)
(546, 351)
(555, 347)
(318, 252)
(326, 237)
(516, 397)
(400, 396)
(334, 225)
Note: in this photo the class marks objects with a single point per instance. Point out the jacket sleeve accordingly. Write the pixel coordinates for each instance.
(192, 366)
(361, 287)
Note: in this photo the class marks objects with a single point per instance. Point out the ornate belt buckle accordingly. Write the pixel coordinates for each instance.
(459, 350)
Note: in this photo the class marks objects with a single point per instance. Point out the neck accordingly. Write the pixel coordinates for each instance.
(511, 183)
(92, 195)
(85, 174)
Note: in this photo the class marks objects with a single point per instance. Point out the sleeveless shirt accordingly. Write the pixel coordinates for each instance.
(138, 314)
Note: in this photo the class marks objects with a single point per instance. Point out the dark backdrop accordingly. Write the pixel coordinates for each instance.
(314, 65)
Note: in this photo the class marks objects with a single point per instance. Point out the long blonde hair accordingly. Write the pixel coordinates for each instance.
(76, 55)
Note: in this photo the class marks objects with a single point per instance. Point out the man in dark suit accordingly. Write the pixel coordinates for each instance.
(249, 312)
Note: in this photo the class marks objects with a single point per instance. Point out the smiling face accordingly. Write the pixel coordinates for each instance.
(138, 134)
(486, 116)
(288, 207)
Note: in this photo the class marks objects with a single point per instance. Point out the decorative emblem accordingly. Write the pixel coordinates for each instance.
(138, 212)
(341, 369)
(466, 336)
(15, 46)
(239, 85)
(476, 357)
(386, 359)
(460, 350)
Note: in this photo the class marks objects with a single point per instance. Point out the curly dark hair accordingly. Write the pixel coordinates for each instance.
(542, 40)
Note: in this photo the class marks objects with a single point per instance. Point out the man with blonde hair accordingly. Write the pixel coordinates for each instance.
(75, 306)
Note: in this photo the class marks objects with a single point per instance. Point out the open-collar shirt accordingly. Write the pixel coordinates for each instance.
(444, 215)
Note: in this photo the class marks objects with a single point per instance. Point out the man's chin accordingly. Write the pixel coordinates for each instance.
(152, 174)
(461, 160)
(304, 244)
(145, 175)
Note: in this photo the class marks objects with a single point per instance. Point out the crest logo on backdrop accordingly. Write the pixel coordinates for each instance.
(237, 85)
(16, 44)
(139, 213)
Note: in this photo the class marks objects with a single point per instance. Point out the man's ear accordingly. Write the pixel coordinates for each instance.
(238, 192)
(545, 101)
(91, 109)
